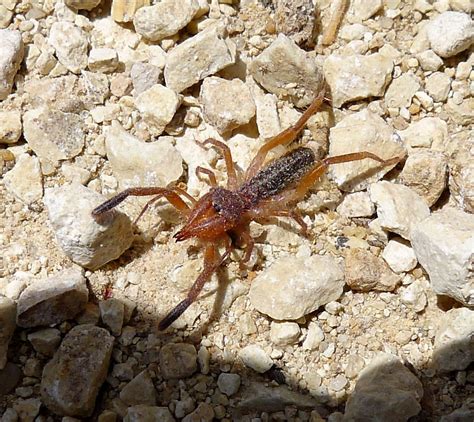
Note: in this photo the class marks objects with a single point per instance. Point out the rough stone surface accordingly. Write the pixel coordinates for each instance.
(463, 113)
(401, 91)
(286, 70)
(399, 208)
(7, 327)
(364, 9)
(10, 126)
(198, 57)
(284, 333)
(414, 295)
(203, 413)
(178, 360)
(367, 132)
(295, 19)
(450, 33)
(82, 4)
(453, 347)
(256, 358)
(429, 132)
(356, 204)
(438, 85)
(53, 300)
(45, 341)
(429, 60)
(140, 390)
(136, 163)
(102, 60)
(25, 180)
(426, 173)
(444, 244)
(226, 104)
(365, 271)
(70, 43)
(385, 391)
(143, 413)
(87, 242)
(228, 384)
(124, 10)
(314, 337)
(72, 379)
(112, 315)
(54, 135)
(144, 76)
(356, 77)
(298, 286)
(11, 55)
(165, 18)
(399, 255)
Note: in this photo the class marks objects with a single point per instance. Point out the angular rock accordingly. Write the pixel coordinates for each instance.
(11, 56)
(314, 337)
(5, 16)
(140, 390)
(385, 391)
(137, 163)
(284, 333)
(429, 60)
(453, 346)
(54, 135)
(124, 10)
(367, 132)
(295, 19)
(399, 255)
(401, 91)
(364, 9)
(112, 315)
(203, 413)
(25, 180)
(286, 70)
(27, 409)
(165, 18)
(87, 242)
(10, 126)
(178, 360)
(426, 173)
(365, 271)
(399, 208)
(356, 77)
(228, 384)
(70, 43)
(462, 114)
(438, 85)
(7, 327)
(444, 244)
(256, 358)
(142, 413)
(82, 4)
(429, 132)
(103, 60)
(198, 57)
(298, 286)
(356, 204)
(226, 104)
(144, 76)
(53, 300)
(450, 33)
(72, 378)
(414, 295)
(158, 105)
(45, 341)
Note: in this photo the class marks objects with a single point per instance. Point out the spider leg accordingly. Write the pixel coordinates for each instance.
(285, 137)
(225, 150)
(271, 211)
(209, 173)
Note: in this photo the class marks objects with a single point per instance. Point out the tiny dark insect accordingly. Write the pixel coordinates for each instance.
(223, 214)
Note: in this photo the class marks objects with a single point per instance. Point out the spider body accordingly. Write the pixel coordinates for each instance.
(223, 215)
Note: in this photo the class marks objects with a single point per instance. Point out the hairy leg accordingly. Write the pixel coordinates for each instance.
(285, 137)
(209, 173)
(274, 209)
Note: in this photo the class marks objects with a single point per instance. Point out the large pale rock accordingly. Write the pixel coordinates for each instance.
(226, 104)
(450, 33)
(178, 360)
(165, 18)
(11, 55)
(10, 126)
(286, 70)
(386, 391)
(53, 300)
(198, 57)
(71, 44)
(124, 10)
(25, 180)
(7, 327)
(72, 379)
(87, 242)
(356, 77)
(399, 255)
(367, 132)
(454, 340)
(137, 163)
(444, 245)
(293, 287)
(399, 208)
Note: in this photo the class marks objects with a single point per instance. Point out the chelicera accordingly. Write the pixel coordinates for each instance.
(221, 217)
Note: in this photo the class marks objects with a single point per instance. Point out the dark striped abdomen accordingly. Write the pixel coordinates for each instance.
(279, 174)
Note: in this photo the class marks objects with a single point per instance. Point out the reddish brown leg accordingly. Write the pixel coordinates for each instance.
(209, 173)
(243, 234)
(211, 262)
(272, 212)
(225, 150)
(284, 137)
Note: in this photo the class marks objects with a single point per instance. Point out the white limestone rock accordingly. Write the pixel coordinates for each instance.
(226, 104)
(399, 208)
(401, 91)
(124, 10)
(286, 70)
(7, 327)
(437, 86)
(253, 356)
(102, 60)
(25, 180)
(444, 245)
(429, 132)
(198, 57)
(137, 163)
(144, 76)
(10, 126)
(314, 337)
(367, 132)
(84, 240)
(364, 9)
(284, 333)
(298, 286)
(357, 204)
(399, 255)
(414, 295)
(356, 77)
(450, 33)
(11, 56)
